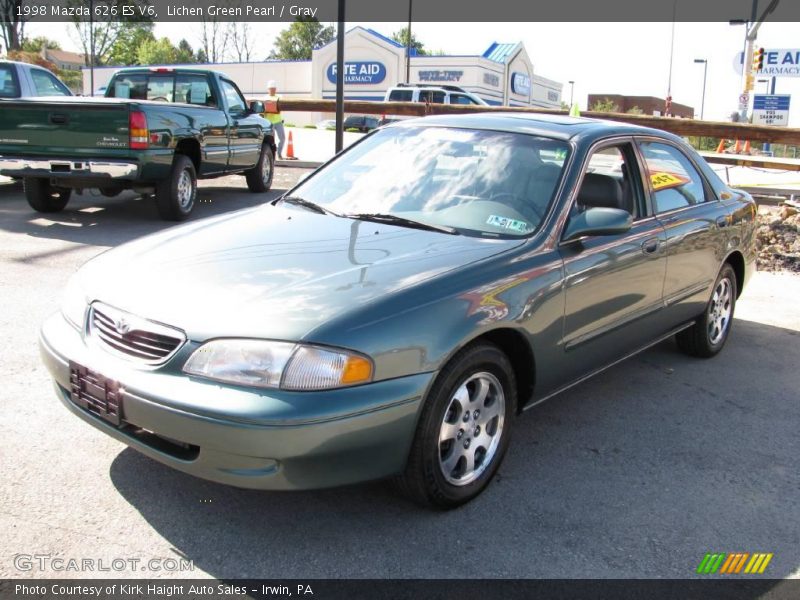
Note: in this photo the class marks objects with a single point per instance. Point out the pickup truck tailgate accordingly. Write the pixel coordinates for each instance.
(64, 127)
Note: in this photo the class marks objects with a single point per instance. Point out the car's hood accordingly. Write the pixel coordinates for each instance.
(271, 272)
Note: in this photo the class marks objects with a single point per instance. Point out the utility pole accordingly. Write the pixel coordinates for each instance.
(340, 74)
(747, 68)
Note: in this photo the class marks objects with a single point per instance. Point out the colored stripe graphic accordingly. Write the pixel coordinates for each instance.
(733, 563)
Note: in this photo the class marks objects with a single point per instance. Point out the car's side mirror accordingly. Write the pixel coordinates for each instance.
(598, 221)
(256, 106)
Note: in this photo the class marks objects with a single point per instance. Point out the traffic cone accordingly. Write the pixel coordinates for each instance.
(721, 147)
(746, 149)
(290, 148)
(737, 149)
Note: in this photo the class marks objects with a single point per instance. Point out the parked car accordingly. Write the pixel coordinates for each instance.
(432, 93)
(156, 132)
(362, 123)
(326, 124)
(395, 312)
(24, 80)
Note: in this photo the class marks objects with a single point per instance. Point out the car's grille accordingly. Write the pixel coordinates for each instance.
(133, 337)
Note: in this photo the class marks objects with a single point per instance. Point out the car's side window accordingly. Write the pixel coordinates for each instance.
(432, 96)
(674, 180)
(47, 84)
(461, 99)
(612, 181)
(236, 103)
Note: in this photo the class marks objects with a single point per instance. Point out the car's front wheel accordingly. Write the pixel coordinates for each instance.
(259, 178)
(43, 197)
(711, 330)
(464, 429)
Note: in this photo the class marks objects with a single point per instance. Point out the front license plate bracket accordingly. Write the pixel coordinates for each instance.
(95, 393)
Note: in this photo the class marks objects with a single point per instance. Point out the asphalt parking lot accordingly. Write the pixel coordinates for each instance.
(636, 473)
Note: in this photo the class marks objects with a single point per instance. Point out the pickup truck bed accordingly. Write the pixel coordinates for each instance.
(153, 147)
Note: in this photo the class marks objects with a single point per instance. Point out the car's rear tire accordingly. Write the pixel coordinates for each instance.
(44, 197)
(463, 430)
(708, 335)
(175, 196)
(110, 192)
(259, 178)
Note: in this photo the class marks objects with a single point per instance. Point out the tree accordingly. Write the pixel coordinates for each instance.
(185, 53)
(38, 43)
(214, 38)
(605, 105)
(13, 25)
(401, 37)
(635, 110)
(157, 52)
(125, 50)
(301, 38)
(106, 34)
(241, 40)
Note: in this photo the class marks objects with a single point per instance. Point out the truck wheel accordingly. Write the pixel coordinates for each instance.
(43, 197)
(259, 178)
(110, 192)
(175, 196)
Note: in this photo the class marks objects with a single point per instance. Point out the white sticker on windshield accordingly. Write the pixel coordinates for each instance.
(506, 223)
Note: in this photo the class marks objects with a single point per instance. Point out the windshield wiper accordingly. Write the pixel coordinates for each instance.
(307, 204)
(401, 221)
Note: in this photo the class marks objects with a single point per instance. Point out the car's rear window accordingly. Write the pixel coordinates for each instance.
(401, 95)
(479, 182)
(164, 87)
(9, 86)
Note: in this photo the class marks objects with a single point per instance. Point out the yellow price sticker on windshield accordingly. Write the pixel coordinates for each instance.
(663, 180)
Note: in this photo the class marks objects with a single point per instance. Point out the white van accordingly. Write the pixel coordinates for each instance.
(435, 94)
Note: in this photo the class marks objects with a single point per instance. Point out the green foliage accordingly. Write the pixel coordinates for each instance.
(401, 37)
(564, 106)
(605, 105)
(73, 79)
(635, 110)
(36, 44)
(185, 53)
(157, 52)
(125, 51)
(301, 37)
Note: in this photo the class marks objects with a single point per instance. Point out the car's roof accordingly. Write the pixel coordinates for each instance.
(553, 126)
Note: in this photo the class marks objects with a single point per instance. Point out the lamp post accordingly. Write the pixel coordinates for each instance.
(571, 90)
(704, 62)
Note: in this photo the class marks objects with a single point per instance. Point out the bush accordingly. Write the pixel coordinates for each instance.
(309, 126)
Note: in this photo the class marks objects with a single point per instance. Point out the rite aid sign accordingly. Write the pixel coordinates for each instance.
(778, 62)
(520, 84)
(359, 72)
(771, 110)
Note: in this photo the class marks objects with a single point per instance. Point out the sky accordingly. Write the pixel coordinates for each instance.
(604, 58)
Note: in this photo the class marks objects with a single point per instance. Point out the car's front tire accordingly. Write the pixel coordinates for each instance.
(708, 335)
(464, 429)
(259, 178)
(176, 195)
(43, 197)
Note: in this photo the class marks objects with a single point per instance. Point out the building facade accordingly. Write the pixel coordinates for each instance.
(502, 75)
(649, 105)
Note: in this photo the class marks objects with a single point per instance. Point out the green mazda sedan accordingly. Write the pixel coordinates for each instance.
(394, 313)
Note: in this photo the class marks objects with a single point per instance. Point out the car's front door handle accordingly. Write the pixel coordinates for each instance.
(650, 246)
(722, 221)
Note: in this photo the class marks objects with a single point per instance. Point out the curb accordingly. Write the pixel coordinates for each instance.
(298, 164)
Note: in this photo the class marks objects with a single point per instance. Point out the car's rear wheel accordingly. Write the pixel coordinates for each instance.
(176, 195)
(259, 178)
(711, 330)
(44, 197)
(464, 429)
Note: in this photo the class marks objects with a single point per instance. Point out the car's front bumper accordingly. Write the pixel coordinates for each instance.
(298, 440)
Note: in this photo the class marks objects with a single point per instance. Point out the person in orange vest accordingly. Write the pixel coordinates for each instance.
(276, 118)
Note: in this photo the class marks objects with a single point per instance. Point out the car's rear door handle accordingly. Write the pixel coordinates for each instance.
(650, 246)
(722, 221)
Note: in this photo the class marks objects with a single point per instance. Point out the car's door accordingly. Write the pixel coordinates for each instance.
(212, 124)
(245, 130)
(695, 223)
(613, 284)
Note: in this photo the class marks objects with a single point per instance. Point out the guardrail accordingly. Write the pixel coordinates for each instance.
(683, 127)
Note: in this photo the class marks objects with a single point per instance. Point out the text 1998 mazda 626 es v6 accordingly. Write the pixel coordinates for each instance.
(394, 313)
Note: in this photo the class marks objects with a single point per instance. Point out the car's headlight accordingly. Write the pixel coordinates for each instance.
(73, 304)
(283, 365)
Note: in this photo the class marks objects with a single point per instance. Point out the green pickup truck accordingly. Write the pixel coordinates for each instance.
(156, 132)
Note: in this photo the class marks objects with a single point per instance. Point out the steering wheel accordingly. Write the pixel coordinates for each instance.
(516, 202)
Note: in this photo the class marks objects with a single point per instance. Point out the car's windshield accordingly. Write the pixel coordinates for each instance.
(478, 182)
